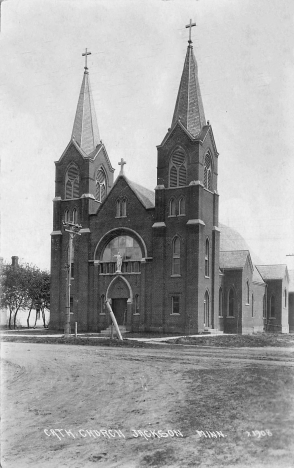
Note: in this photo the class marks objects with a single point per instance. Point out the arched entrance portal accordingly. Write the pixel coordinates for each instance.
(120, 293)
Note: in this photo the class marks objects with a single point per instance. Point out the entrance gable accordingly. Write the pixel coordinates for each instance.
(119, 288)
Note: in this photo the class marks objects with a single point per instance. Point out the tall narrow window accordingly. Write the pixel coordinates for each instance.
(207, 172)
(66, 216)
(172, 207)
(231, 303)
(123, 207)
(178, 169)
(176, 246)
(285, 298)
(100, 185)
(72, 182)
(137, 304)
(206, 309)
(207, 258)
(118, 208)
(102, 304)
(74, 216)
(247, 293)
(181, 206)
(264, 306)
(272, 306)
(175, 304)
(220, 303)
(252, 305)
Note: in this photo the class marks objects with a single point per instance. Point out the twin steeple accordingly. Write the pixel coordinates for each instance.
(189, 107)
(85, 129)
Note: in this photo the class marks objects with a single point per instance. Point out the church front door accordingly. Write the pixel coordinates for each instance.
(119, 307)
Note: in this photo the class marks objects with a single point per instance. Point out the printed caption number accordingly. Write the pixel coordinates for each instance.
(259, 434)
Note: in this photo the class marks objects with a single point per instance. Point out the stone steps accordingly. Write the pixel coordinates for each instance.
(107, 331)
(212, 331)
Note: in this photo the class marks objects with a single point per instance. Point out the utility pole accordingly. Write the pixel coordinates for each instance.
(73, 230)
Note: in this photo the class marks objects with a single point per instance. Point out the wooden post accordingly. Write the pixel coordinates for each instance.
(76, 329)
(114, 320)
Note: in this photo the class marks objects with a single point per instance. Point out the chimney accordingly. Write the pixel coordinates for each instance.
(14, 261)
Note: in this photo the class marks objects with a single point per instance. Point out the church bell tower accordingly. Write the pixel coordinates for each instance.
(186, 211)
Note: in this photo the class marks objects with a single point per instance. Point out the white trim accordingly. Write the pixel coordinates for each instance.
(126, 230)
(127, 283)
(196, 221)
(56, 233)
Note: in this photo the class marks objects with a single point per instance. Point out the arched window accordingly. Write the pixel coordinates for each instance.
(181, 206)
(178, 169)
(172, 207)
(264, 306)
(128, 249)
(252, 305)
(66, 216)
(220, 303)
(207, 258)
(74, 216)
(272, 306)
(137, 304)
(231, 303)
(206, 309)
(176, 260)
(285, 297)
(100, 185)
(102, 304)
(208, 172)
(247, 293)
(72, 182)
(121, 208)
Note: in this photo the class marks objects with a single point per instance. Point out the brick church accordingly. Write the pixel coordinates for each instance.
(160, 257)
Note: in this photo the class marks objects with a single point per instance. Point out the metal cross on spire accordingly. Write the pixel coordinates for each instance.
(121, 164)
(85, 55)
(190, 26)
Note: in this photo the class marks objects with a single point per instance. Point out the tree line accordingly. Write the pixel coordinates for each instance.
(24, 287)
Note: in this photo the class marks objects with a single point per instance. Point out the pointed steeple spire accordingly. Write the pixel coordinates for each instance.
(85, 129)
(189, 107)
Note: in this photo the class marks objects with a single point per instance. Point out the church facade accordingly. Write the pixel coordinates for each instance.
(160, 257)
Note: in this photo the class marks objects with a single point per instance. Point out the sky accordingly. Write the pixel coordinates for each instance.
(244, 50)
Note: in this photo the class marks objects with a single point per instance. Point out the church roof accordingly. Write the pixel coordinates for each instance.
(189, 107)
(232, 240)
(256, 277)
(146, 196)
(85, 129)
(272, 272)
(234, 259)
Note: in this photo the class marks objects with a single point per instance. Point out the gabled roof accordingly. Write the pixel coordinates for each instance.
(256, 278)
(271, 272)
(232, 240)
(234, 259)
(146, 196)
(85, 129)
(189, 107)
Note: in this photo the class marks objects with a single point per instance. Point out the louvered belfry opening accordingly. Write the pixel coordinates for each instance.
(72, 182)
(178, 170)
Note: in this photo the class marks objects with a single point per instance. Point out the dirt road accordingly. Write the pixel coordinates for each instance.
(77, 406)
